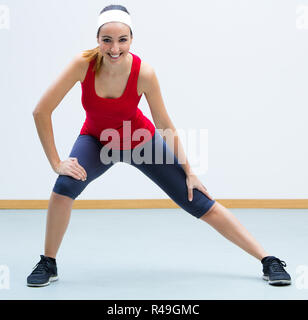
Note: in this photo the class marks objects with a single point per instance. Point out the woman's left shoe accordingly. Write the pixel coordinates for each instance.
(274, 272)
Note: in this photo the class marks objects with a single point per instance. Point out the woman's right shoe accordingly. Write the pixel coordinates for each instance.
(43, 272)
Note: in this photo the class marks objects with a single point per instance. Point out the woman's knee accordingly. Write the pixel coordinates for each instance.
(199, 206)
(61, 198)
(214, 209)
(68, 186)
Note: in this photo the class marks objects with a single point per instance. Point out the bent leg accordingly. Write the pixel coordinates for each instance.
(58, 216)
(87, 150)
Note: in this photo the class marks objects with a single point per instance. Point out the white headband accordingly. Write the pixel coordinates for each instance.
(114, 16)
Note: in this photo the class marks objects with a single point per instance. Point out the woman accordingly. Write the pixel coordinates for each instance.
(113, 80)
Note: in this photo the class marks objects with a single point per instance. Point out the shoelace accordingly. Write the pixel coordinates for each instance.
(40, 267)
(278, 265)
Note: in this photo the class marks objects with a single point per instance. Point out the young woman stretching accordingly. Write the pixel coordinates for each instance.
(113, 80)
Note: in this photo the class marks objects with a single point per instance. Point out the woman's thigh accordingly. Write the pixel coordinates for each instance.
(170, 176)
(87, 150)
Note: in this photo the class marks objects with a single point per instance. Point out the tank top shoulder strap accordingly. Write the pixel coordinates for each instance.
(89, 74)
(135, 72)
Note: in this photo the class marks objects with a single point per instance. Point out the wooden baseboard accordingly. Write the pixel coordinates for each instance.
(157, 204)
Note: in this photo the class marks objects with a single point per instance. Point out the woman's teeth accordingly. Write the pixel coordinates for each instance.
(114, 57)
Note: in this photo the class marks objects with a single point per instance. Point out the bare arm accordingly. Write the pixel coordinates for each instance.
(160, 115)
(49, 101)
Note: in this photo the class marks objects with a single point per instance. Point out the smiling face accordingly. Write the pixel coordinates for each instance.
(114, 39)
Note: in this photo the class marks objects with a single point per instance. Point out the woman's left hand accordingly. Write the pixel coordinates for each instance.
(192, 182)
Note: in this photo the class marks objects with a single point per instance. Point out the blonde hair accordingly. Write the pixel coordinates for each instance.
(92, 54)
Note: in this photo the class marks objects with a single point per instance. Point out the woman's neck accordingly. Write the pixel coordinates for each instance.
(117, 69)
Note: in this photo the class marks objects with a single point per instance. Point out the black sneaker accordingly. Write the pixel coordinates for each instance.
(273, 271)
(43, 272)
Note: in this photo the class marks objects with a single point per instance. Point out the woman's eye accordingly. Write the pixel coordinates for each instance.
(107, 40)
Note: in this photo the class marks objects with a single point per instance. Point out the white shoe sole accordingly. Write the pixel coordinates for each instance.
(277, 282)
(51, 279)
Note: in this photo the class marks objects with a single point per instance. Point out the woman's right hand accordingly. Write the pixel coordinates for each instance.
(71, 167)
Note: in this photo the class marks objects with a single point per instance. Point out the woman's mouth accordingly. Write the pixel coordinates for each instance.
(115, 57)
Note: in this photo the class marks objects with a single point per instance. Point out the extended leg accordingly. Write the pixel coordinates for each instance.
(222, 220)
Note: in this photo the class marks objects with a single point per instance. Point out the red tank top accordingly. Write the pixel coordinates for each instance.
(120, 114)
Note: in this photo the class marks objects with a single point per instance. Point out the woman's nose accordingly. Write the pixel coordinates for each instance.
(115, 49)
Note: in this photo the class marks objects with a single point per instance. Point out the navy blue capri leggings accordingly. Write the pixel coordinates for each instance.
(167, 173)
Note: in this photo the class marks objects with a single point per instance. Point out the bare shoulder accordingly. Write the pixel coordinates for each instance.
(81, 64)
(146, 74)
(146, 70)
(65, 81)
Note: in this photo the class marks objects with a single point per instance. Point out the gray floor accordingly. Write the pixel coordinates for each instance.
(153, 254)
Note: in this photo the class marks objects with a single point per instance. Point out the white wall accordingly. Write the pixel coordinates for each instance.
(236, 68)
